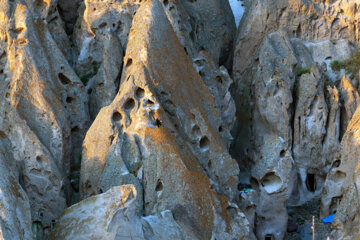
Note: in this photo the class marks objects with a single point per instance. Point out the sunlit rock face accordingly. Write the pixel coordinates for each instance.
(161, 134)
(43, 114)
(157, 119)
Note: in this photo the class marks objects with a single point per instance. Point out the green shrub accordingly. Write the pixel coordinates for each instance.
(301, 71)
(335, 65)
(351, 65)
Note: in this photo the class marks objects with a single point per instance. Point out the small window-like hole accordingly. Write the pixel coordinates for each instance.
(311, 182)
(336, 163)
(220, 128)
(89, 91)
(158, 123)
(69, 99)
(209, 164)
(102, 25)
(75, 129)
(128, 62)
(159, 186)
(140, 92)
(129, 104)
(282, 153)
(166, 2)
(204, 143)
(64, 80)
(219, 79)
(116, 117)
(269, 237)
(195, 131)
(112, 137)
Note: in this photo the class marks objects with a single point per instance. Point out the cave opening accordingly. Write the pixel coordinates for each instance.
(269, 237)
(311, 182)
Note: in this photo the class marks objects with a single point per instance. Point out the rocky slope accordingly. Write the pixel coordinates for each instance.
(158, 119)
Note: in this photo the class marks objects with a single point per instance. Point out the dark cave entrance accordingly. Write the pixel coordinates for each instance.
(311, 182)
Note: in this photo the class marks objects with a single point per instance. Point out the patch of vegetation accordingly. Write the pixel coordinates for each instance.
(335, 65)
(351, 65)
(300, 71)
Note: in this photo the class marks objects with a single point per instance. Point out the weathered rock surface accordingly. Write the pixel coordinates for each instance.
(164, 141)
(15, 217)
(43, 112)
(155, 163)
(112, 215)
(342, 193)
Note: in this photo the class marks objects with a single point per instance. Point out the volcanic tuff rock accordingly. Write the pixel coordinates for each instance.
(134, 106)
(150, 120)
(43, 112)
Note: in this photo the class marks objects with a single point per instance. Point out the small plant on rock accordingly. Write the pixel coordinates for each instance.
(301, 71)
(351, 65)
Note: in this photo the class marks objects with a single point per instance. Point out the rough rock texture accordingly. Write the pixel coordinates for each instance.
(317, 24)
(273, 170)
(101, 37)
(164, 141)
(342, 186)
(15, 217)
(112, 215)
(310, 120)
(169, 125)
(43, 112)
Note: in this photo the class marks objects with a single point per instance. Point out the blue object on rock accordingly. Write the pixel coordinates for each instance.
(328, 219)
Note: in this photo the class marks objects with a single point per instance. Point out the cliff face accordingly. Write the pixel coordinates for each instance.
(158, 119)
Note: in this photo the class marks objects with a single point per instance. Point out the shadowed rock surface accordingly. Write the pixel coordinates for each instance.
(158, 119)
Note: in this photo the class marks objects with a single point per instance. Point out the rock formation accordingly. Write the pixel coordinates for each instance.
(157, 119)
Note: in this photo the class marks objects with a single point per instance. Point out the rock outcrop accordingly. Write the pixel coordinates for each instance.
(43, 112)
(156, 119)
(161, 134)
(112, 215)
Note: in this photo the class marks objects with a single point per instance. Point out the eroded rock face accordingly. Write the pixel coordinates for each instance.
(43, 112)
(273, 171)
(342, 184)
(15, 217)
(153, 137)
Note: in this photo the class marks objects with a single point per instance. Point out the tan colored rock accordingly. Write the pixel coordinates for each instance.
(218, 82)
(101, 40)
(112, 215)
(43, 112)
(164, 126)
(314, 20)
(204, 25)
(350, 100)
